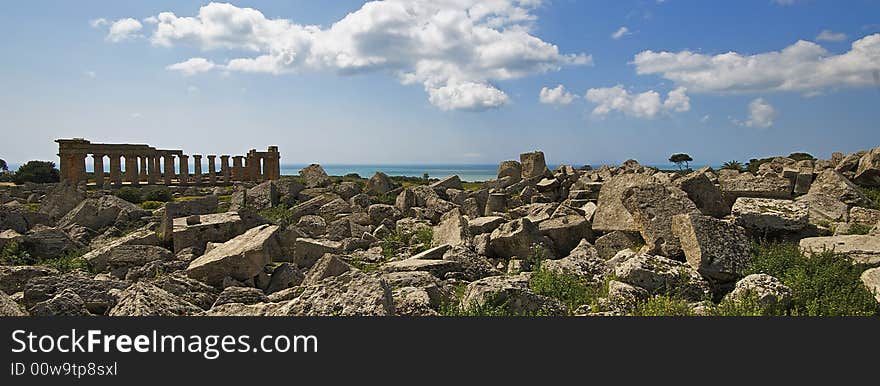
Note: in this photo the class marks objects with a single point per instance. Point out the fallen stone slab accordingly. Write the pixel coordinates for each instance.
(652, 208)
(611, 215)
(241, 258)
(770, 215)
(863, 249)
(717, 249)
(214, 228)
(871, 279)
(144, 299)
(768, 291)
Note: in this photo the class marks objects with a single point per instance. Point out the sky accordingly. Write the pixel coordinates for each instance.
(444, 82)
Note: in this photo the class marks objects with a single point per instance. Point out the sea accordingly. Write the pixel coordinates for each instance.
(466, 172)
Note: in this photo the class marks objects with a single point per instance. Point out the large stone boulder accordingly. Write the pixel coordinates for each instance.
(8, 306)
(511, 293)
(241, 258)
(213, 228)
(566, 232)
(61, 199)
(96, 294)
(186, 288)
(769, 215)
(583, 262)
(868, 172)
(832, 183)
(263, 196)
(65, 303)
(611, 243)
(120, 259)
(13, 218)
(512, 169)
(766, 289)
(327, 266)
(350, 294)
(611, 215)
(13, 278)
(453, 230)
(307, 251)
(144, 299)
(871, 279)
(824, 209)
(748, 185)
(514, 238)
(533, 165)
(314, 176)
(99, 213)
(860, 248)
(704, 193)
(242, 295)
(378, 184)
(652, 207)
(717, 249)
(660, 275)
(864, 216)
(49, 242)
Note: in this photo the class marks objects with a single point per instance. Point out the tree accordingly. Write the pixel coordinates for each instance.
(681, 158)
(732, 165)
(38, 172)
(3, 166)
(802, 157)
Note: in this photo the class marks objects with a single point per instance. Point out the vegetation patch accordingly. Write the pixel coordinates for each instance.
(279, 215)
(130, 194)
(825, 284)
(40, 172)
(571, 290)
(406, 241)
(872, 194)
(663, 305)
(16, 253)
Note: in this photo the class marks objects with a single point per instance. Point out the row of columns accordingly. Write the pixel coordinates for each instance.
(148, 169)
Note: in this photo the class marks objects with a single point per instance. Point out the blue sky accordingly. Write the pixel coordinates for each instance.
(454, 81)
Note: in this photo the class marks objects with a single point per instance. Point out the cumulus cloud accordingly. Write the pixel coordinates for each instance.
(831, 36)
(456, 49)
(556, 96)
(623, 31)
(761, 114)
(645, 105)
(802, 67)
(192, 66)
(124, 29)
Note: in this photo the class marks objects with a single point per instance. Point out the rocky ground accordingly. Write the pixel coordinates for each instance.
(625, 240)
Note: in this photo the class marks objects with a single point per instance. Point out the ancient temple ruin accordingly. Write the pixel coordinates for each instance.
(147, 165)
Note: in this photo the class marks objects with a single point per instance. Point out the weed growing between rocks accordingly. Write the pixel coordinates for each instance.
(824, 284)
(858, 229)
(663, 305)
(279, 215)
(872, 194)
(15, 254)
(406, 241)
(571, 290)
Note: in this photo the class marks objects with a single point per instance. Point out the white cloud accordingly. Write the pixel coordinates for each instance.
(151, 20)
(124, 29)
(98, 23)
(645, 105)
(192, 66)
(706, 119)
(91, 74)
(761, 114)
(456, 49)
(556, 96)
(623, 31)
(831, 36)
(803, 67)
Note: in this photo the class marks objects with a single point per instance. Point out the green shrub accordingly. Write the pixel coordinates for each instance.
(279, 215)
(748, 306)
(15, 254)
(858, 229)
(490, 308)
(156, 193)
(151, 205)
(412, 241)
(40, 172)
(384, 198)
(824, 284)
(130, 194)
(571, 290)
(663, 305)
(872, 194)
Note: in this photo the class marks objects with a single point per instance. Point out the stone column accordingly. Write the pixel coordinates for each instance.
(169, 168)
(238, 168)
(115, 170)
(131, 170)
(98, 160)
(197, 169)
(212, 171)
(224, 168)
(153, 172)
(183, 178)
(80, 160)
(143, 170)
(274, 168)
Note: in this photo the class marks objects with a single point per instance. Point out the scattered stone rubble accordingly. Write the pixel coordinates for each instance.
(639, 230)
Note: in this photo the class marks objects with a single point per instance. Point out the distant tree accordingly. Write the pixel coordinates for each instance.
(802, 157)
(681, 158)
(3, 165)
(38, 172)
(732, 165)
